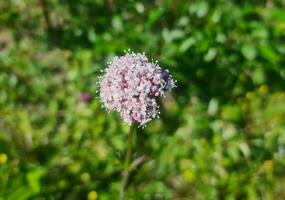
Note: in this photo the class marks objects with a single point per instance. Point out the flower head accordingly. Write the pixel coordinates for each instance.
(131, 85)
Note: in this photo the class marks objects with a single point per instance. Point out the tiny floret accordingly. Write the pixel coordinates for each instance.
(131, 84)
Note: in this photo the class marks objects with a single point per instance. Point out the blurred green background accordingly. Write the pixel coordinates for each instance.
(221, 134)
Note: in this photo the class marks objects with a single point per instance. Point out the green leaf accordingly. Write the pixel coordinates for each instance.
(249, 51)
(211, 54)
(268, 53)
(213, 106)
(200, 8)
(33, 178)
(186, 44)
(91, 35)
(258, 76)
(117, 23)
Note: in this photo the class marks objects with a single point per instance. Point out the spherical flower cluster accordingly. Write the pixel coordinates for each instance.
(130, 86)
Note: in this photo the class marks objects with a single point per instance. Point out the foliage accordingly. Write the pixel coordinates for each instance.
(222, 131)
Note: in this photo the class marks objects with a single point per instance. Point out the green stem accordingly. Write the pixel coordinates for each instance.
(129, 150)
(127, 162)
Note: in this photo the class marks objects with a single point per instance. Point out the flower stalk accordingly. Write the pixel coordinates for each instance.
(127, 163)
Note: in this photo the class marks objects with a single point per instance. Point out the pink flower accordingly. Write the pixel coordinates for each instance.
(130, 86)
(85, 97)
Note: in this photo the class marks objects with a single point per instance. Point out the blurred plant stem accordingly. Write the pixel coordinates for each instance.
(46, 14)
(127, 166)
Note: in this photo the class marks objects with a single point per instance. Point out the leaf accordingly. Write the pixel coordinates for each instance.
(33, 178)
(249, 51)
(91, 35)
(117, 23)
(200, 8)
(258, 76)
(213, 106)
(244, 148)
(186, 44)
(268, 53)
(211, 54)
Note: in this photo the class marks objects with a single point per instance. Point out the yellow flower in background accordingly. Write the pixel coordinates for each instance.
(242, 77)
(250, 95)
(267, 166)
(92, 195)
(263, 89)
(3, 158)
(62, 184)
(189, 175)
(85, 177)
